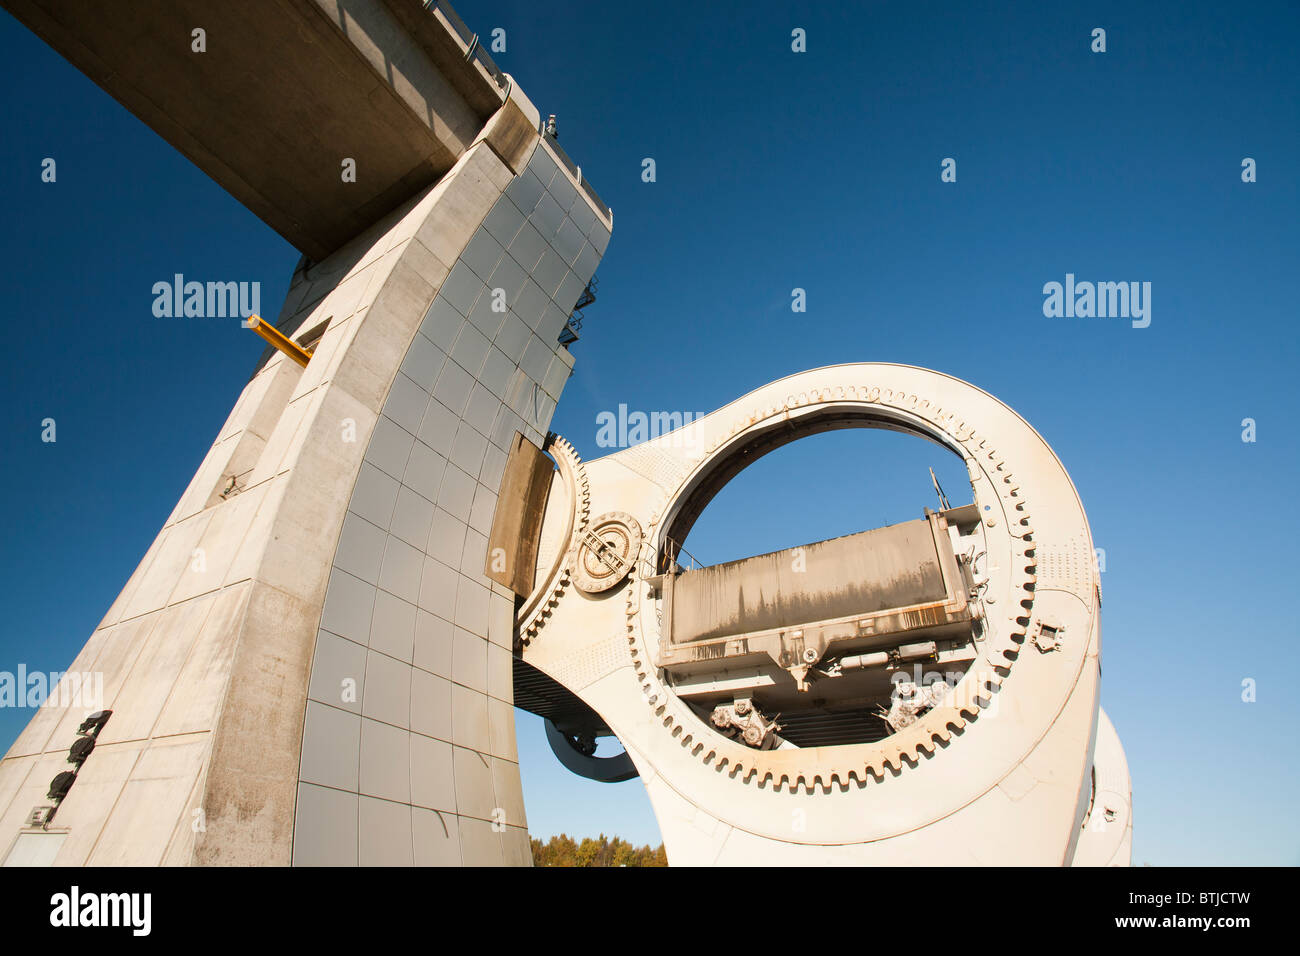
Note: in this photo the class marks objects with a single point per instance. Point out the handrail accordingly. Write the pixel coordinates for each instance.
(669, 543)
(475, 49)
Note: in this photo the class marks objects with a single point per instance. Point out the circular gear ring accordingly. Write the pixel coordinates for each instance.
(603, 555)
(894, 753)
(547, 592)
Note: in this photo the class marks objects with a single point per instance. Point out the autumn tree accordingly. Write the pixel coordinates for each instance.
(601, 851)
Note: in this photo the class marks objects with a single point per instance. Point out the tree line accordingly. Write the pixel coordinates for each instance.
(563, 850)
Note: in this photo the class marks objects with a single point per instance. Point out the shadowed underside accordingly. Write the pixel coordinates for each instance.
(283, 91)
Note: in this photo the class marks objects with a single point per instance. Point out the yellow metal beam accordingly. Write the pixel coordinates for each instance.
(281, 341)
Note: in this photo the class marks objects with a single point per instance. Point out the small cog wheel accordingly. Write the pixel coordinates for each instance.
(605, 552)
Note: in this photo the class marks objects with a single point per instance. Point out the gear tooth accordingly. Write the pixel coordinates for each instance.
(953, 718)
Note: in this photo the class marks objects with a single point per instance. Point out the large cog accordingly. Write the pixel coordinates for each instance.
(906, 747)
(546, 595)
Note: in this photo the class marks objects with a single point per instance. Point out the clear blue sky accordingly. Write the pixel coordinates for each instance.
(778, 170)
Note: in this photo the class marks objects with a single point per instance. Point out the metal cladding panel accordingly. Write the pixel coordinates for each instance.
(862, 573)
(517, 522)
(413, 613)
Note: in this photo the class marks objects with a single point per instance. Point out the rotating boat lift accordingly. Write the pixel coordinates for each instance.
(921, 693)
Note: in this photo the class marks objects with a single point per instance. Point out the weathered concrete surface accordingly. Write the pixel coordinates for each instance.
(285, 91)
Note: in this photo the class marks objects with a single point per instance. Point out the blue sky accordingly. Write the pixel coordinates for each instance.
(778, 170)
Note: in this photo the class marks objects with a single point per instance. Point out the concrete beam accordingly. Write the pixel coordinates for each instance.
(285, 91)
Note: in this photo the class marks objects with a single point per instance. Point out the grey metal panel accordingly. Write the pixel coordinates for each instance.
(891, 567)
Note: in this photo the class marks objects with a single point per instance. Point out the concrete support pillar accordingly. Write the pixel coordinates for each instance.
(310, 665)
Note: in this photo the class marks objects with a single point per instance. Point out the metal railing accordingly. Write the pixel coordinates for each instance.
(467, 36)
(669, 557)
(572, 327)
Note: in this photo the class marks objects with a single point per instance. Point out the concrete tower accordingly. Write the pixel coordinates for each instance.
(310, 665)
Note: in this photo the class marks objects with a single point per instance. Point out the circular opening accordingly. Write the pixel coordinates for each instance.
(825, 486)
(826, 590)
